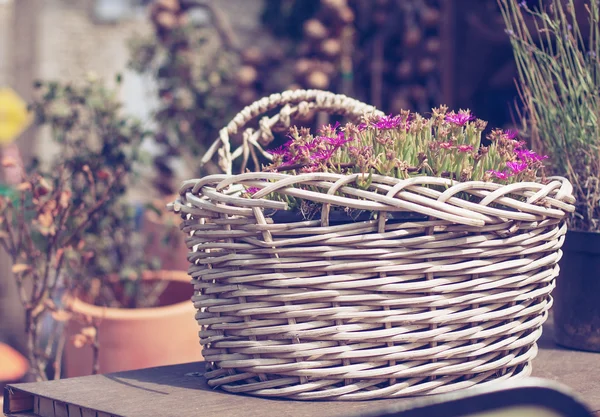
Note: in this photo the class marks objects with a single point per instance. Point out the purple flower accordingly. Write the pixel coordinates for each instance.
(334, 127)
(321, 156)
(362, 127)
(501, 175)
(459, 118)
(388, 122)
(510, 134)
(252, 190)
(465, 148)
(338, 141)
(281, 151)
(313, 144)
(516, 167)
(529, 156)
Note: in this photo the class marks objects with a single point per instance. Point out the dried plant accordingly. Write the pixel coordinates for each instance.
(42, 229)
(90, 129)
(67, 226)
(559, 82)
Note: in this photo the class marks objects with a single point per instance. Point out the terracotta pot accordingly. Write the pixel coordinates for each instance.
(172, 254)
(13, 365)
(139, 338)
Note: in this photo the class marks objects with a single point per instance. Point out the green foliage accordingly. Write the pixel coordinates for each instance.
(557, 50)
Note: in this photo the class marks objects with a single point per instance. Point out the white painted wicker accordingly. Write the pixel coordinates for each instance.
(382, 308)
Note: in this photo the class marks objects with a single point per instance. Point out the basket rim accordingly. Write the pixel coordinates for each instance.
(519, 201)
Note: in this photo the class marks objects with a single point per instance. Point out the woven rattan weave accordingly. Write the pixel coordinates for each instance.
(443, 286)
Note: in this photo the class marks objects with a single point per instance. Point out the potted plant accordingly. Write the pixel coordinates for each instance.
(134, 303)
(41, 229)
(557, 55)
(418, 261)
(117, 285)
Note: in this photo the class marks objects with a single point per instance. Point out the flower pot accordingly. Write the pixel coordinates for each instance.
(13, 365)
(138, 338)
(165, 242)
(577, 294)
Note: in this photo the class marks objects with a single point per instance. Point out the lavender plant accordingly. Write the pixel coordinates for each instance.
(559, 81)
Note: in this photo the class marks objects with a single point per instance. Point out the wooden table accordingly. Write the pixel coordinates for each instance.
(578, 370)
(172, 391)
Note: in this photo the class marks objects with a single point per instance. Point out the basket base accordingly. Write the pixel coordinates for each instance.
(369, 389)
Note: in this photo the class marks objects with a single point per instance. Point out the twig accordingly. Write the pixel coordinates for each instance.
(15, 247)
(95, 350)
(93, 211)
(155, 293)
(59, 354)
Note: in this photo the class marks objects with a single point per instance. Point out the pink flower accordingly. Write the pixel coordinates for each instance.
(529, 156)
(388, 122)
(519, 143)
(446, 145)
(321, 156)
(459, 118)
(465, 148)
(281, 151)
(510, 133)
(313, 144)
(362, 127)
(516, 167)
(338, 141)
(252, 190)
(501, 175)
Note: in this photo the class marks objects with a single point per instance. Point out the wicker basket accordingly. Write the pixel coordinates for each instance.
(453, 296)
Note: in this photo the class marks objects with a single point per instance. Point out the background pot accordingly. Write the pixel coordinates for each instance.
(13, 365)
(142, 337)
(577, 293)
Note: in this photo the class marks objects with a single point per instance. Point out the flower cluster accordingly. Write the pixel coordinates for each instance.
(447, 144)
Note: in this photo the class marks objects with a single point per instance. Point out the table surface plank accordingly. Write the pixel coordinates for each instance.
(166, 391)
(171, 392)
(577, 370)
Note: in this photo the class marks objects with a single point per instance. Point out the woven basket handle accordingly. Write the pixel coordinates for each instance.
(292, 103)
